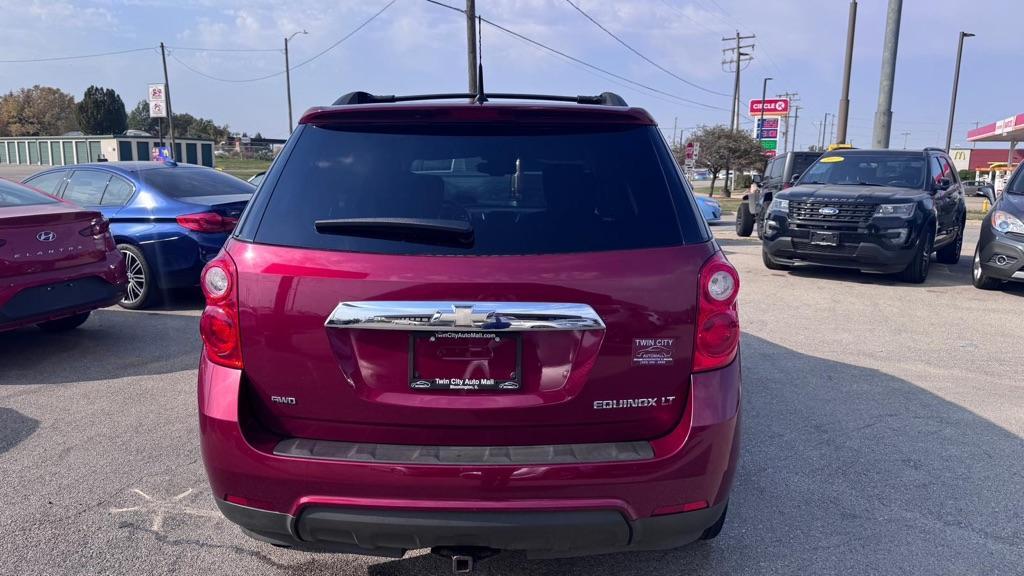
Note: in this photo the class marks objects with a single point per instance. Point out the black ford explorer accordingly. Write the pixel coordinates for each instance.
(873, 210)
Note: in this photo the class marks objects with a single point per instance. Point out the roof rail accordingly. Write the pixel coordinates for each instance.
(934, 149)
(604, 98)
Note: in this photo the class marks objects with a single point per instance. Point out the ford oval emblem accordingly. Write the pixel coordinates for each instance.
(46, 236)
(828, 211)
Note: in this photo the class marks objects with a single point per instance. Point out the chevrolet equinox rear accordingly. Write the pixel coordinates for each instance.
(472, 327)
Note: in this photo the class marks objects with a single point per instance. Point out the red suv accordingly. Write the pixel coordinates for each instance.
(472, 326)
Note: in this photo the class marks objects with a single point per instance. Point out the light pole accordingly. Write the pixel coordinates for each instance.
(956, 84)
(760, 123)
(288, 77)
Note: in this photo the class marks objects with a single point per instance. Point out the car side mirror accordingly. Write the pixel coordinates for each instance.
(792, 181)
(943, 184)
(756, 179)
(990, 193)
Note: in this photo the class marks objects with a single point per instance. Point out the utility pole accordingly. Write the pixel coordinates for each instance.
(675, 130)
(905, 136)
(824, 126)
(793, 98)
(167, 94)
(883, 114)
(764, 94)
(796, 118)
(844, 100)
(471, 32)
(288, 79)
(739, 57)
(956, 84)
(831, 129)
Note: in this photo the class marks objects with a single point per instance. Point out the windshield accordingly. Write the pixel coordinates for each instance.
(1016, 186)
(503, 191)
(15, 195)
(896, 170)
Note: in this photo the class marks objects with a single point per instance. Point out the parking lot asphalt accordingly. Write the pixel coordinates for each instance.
(883, 434)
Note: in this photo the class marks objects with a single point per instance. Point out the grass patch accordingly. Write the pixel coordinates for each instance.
(243, 168)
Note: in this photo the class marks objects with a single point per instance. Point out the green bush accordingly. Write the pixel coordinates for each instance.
(743, 182)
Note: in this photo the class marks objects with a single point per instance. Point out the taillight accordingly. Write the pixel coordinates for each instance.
(718, 324)
(219, 324)
(97, 227)
(207, 222)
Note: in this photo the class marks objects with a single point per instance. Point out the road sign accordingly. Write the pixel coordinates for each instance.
(157, 96)
(772, 107)
(160, 153)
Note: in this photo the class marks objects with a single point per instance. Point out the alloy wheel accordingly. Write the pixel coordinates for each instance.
(136, 287)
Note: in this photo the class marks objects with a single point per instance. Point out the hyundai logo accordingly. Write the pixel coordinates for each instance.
(46, 236)
(828, 211)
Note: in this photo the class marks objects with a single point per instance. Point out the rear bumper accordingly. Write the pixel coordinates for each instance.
(549, 510)
(541, 534)
(37, 298)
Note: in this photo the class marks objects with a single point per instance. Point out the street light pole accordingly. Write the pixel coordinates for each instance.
(844, 100)
(288, 78)
(760, 123)
(956, 84)
(883, 114)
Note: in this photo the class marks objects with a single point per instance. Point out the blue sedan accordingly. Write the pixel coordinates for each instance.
(168, 219)
(710, 209)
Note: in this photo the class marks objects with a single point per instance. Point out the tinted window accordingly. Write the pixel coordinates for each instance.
(14, 195)
(523, 190)
(118, 192)
(776, 167)
(801, 162)
(48, 182)
(897, 170)
(184, 182)
(85, 187)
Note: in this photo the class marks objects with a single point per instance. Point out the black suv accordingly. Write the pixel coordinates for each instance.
(873, 210)
(779, 174)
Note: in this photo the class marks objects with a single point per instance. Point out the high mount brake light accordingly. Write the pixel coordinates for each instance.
(718, 326)
(207, 222)
(218, 325)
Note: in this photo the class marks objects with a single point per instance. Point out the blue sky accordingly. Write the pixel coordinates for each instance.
(418, 47)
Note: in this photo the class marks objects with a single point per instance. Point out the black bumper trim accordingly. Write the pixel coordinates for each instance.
(465, 455)
(541, 534)
(69, 296)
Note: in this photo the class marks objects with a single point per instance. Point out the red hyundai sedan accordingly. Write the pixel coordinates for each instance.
(472, 327)
(58, 262)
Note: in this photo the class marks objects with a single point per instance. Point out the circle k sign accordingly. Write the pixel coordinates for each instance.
(772, 107)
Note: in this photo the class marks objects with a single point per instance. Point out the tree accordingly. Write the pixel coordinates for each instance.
(37, 111)
(721, 149)
(101, 111)
(185, 125)
(138, 119)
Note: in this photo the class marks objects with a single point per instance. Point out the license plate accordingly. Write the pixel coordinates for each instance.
(470, 361)
(825, 238)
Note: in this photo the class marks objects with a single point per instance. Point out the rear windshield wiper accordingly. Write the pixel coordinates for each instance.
(421, 230)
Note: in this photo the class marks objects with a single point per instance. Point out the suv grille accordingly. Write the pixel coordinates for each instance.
(847, 213)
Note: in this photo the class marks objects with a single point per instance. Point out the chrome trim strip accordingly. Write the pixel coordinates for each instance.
(464, 316)
(1018, 275)
(464, 455)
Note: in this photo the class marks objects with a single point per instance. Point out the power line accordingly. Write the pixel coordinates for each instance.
(78, 57)
(183, 48)
(599, 69)
(299, 65)
(638, 53)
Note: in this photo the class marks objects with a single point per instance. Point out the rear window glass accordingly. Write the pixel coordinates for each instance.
(525, 190)
(185, 182)
(15, 195)
(801, 162)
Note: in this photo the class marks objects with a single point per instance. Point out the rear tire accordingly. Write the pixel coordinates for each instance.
(64, 324)
(141, 289)
(771, 264)
(917, 271)
(715, 529)
(981, 280)
(744, 220)
(950, 253)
